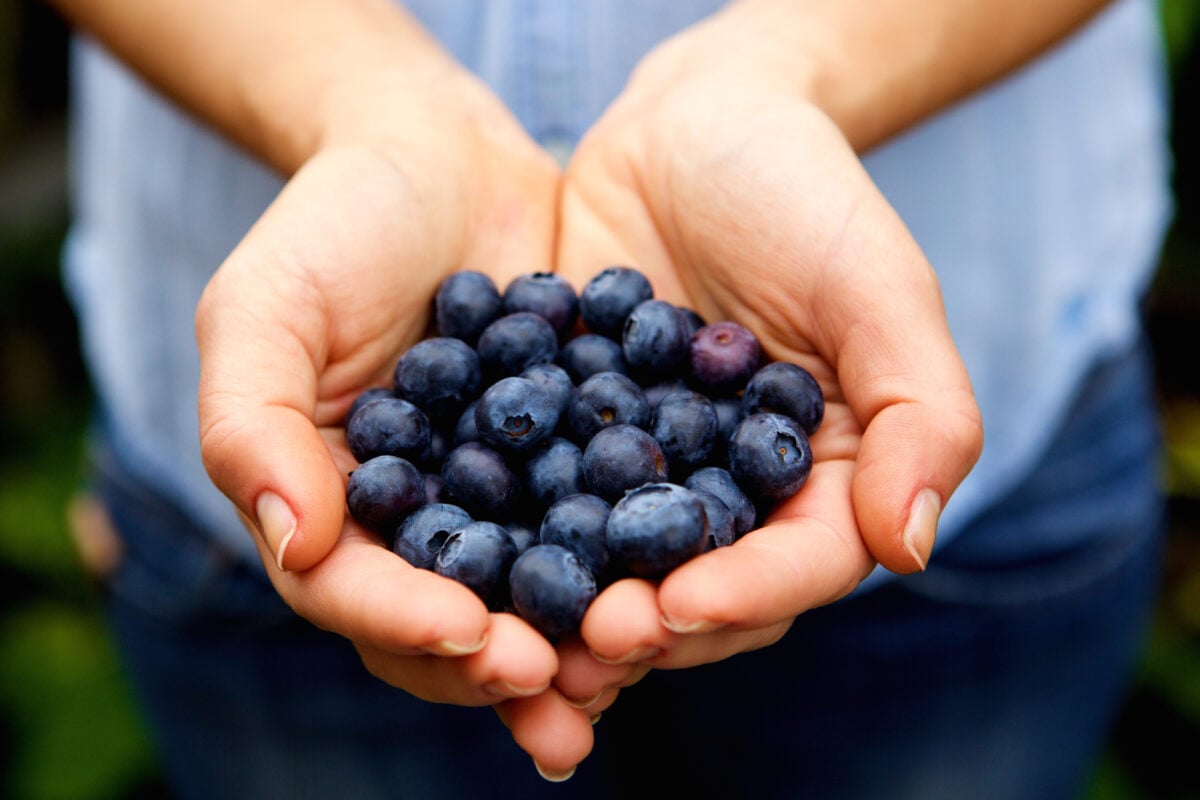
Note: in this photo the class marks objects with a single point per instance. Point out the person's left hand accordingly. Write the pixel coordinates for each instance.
(739, 197)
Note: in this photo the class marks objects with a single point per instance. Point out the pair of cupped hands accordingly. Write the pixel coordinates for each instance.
(737, 197)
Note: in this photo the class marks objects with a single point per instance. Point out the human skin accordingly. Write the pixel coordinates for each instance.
(773, 224)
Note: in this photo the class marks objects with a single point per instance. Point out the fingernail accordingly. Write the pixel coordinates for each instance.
(445, 648)
(921, 529)
(553, 777)
(697, 626)
(637, 654)
(581, 704)
(506, 689)
(277, 524)
(595, 718)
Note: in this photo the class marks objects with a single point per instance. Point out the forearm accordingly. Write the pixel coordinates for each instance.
(879, 66)
(276, 76)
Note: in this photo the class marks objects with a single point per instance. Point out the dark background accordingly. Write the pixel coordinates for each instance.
(68, 728)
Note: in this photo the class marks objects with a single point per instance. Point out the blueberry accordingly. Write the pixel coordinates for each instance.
(465, 429)
(722, 357)
(546, 294)
(555, 380)
(422, 534)
(694, 320)
(609, 296)
(435, 489)
(655, 339)
(589, 353)
(551, 589)
(479, 556)
(577, 522)
(389, 426)
(656, 391)
(655, 528)
(785, 388)
(466, 303)
(524, 535)
(553, 471)
(605, 399)
(719, 482)
(684, 424)
(440, 376)
(729, 414)
(514, 415)
(720, 521)
(769, 457)
(383, 491)
(480, 480)
(515, 342)
(622, 457)
(374, 393)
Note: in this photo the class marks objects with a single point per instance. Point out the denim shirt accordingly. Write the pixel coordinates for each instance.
(1041, 203)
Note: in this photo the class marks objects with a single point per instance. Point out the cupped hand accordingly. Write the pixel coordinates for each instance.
(315, 305)
(738, 197)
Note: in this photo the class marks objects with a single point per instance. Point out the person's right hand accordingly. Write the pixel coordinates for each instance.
(419, 178)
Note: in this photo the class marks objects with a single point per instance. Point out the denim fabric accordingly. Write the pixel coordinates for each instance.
(981, 678)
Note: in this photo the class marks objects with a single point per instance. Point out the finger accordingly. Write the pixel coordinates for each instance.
(516, 661)
(309, 307)
(373, 597)
(557, 736)
(651, 644)
(808, 554)
(585, 682)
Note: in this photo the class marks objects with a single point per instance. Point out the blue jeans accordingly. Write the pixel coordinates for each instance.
(980, 678)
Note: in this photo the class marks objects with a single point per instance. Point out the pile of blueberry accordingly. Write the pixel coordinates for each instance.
(543, 442)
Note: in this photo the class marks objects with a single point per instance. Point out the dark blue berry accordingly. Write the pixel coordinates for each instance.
(440, 376)
(515, 342)
(465, 429)
(622, 457)
(684, 424)
(551, 589)
(719, 482)
(553, 471)
(479, 556)
(480, 480)
(466, 303)
(589, 353)
(514, 415)
(523, 534)
(655, 528)
(577, 522)
(374, 393)
(555, 380)
(388, 426)
(722, 357)
(655, 392)
(383, 491)
(769, 457)
(655, 339)
(609, 296)
(546, 294)
(422, 534)
(603, 400)
(720, 521)
(785, 388)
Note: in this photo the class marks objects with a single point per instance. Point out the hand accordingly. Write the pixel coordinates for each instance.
(715, 175)
(315, 305)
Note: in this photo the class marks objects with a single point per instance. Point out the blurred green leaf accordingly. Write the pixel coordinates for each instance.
(62, 689)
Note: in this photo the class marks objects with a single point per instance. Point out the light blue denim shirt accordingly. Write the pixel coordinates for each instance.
(1041, 202)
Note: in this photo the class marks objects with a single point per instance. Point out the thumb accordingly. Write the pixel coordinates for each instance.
(904, 379)
(257, 435)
